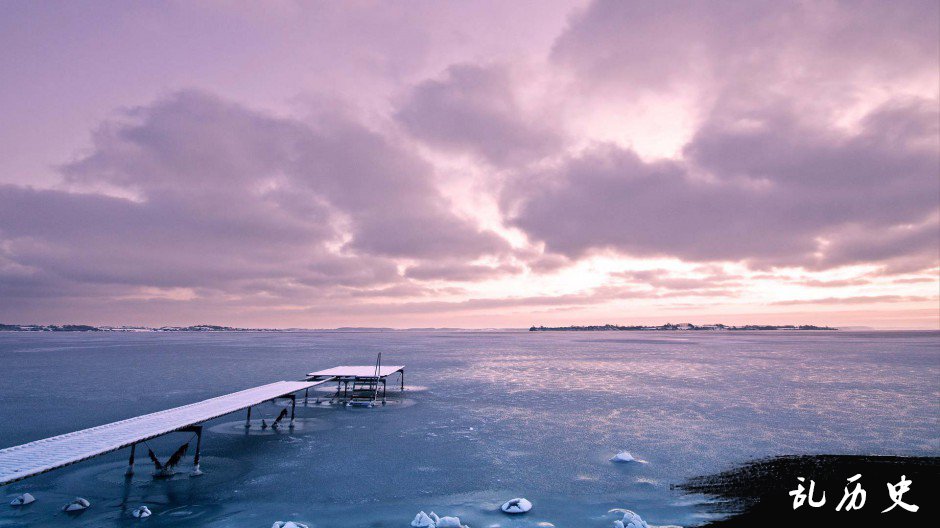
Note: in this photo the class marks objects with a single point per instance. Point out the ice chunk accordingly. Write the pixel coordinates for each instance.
(23, 500)
(434, 517)
(142, 512)
(288, 524)
(623, 456)
(632, 520)
(516, 506)
(618, 524)
(78, 504)
(448, 522)
(422, 520)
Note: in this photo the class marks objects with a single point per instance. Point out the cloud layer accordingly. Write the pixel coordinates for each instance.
(463, 172)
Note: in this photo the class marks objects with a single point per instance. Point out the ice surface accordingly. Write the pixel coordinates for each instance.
(504, 414)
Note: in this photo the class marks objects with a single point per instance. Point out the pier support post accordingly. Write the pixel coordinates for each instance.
(293, 406)
(196, 471)
(130, 462)
(248, 419)
(305, 397)
(402, 380)
(383, 390)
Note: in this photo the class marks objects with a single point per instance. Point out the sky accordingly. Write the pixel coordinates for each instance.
(477, 164)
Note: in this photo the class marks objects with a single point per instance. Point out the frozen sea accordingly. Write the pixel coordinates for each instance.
(486, 416)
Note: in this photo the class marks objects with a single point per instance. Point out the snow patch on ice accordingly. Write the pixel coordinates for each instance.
(422, 520)
(630, 520)
(78, 504)
(625, 457)
(23, 500)
(518, 505)
(431, 520)
(288, 524)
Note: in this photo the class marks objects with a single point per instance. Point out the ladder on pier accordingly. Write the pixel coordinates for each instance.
(365, 389)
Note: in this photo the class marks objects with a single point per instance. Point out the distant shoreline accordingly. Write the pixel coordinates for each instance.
(217, 328)
(674, 327)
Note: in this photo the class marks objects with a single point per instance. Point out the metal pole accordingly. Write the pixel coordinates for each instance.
(305, 397)
(248, 420)
(402, 379)
(196, 470)
(130, 462)
(384, 383)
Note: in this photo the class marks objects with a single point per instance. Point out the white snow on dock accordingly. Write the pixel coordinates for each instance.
(51, 453)
(356, 371)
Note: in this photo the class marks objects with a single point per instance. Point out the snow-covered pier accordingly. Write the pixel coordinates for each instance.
(34, 458)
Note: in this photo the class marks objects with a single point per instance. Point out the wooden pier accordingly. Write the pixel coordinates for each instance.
(34, 458)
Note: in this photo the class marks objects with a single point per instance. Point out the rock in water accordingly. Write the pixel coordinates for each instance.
(142, 512)
(448, 522)
(623, 456)
(516, 506)
(422, 520)
(23, 500)
(632, 520)
(288, 524)
(78, 504)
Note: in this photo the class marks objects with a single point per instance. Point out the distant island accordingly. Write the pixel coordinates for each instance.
(89, 328)
(191, 328)
(671, 327)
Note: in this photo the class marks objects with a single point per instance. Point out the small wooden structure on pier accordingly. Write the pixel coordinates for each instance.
(359, 384)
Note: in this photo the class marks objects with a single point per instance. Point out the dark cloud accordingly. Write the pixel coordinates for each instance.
(475, 109)
(665, 280)
(228, 198)
(773, 175)
(775, 192)
(458, 271)
(650, 46)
